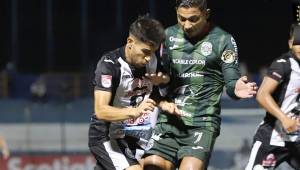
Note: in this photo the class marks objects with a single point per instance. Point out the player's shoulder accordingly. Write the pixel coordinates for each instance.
(281, 64)
(110, 58)
(280, 67)
(174, 30)
(283, 59)
(174, 34)
(217, 31)
(221, 39)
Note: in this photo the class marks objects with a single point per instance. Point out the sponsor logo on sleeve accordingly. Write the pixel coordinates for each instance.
(277, 75)
(206, 48)
(106, 81)
(229, 56)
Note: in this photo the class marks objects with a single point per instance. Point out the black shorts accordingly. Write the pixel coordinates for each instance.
(269, 156)
(116, 154)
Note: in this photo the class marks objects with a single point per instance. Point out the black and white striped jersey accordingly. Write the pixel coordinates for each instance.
(285, 70)
(129, 88)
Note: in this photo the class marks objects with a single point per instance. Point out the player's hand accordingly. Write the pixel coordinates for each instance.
(158, 78)
(144, 107)
(169, 107)
(290, 125)
(245, 89)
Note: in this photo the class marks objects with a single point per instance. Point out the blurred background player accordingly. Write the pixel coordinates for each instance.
(4, 147)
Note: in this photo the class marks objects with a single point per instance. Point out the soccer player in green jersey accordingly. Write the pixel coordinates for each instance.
(202, 59)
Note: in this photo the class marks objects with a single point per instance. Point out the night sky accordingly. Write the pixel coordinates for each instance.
(260, 28)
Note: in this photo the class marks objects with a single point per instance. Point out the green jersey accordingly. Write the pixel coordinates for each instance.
(199, 71)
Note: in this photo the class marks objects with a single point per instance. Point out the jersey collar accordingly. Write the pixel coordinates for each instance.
(296, 58)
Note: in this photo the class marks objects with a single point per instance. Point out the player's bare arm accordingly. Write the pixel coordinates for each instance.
(265, 99)
(109, 113)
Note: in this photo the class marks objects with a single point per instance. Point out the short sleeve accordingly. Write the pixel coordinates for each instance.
(105, 74)
(278, 69)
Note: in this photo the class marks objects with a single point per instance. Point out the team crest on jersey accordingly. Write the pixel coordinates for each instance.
(229, 56)
(206, 48)
(106, 81)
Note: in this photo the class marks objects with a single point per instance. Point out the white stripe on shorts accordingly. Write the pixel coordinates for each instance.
(119, 160)
(253, 154)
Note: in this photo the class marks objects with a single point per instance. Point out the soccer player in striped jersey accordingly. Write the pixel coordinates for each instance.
(277, 138)
(124, 111)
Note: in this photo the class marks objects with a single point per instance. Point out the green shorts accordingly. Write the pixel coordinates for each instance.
(175, 141)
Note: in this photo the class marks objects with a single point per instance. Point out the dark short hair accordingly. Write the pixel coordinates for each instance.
(201, 4)
(295, 34)
(148, 30)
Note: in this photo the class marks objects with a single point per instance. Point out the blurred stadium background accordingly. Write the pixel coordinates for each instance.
(48, 52)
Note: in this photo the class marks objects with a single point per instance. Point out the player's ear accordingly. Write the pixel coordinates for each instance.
(130, 40)
(290, 42)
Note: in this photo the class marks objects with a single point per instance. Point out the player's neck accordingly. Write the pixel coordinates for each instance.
(127, 55)
(201, 34)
